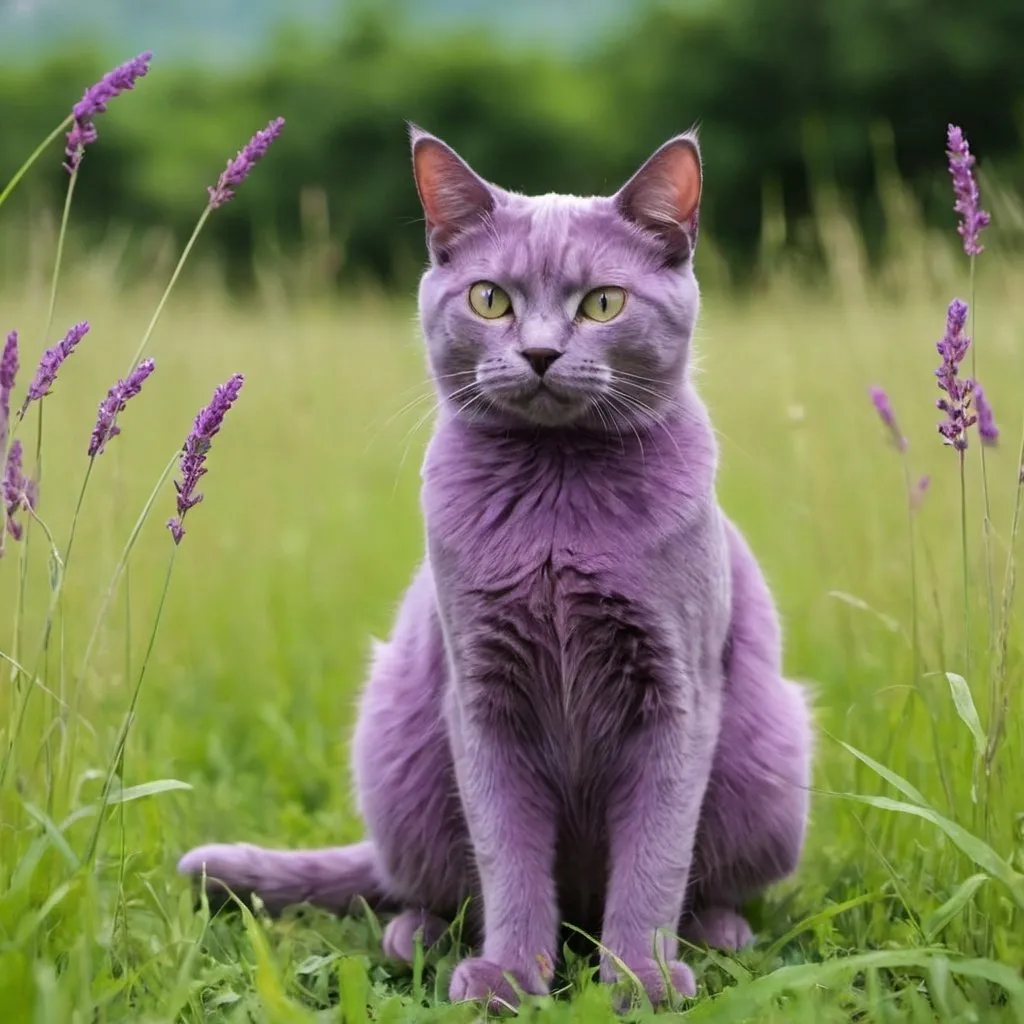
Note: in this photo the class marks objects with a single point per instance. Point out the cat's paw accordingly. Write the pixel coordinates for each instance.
(653, 975)
(482, 981)
(399, 941)
(719, 928)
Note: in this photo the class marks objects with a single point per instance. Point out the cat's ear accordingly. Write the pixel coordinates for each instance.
(663, 197)
(452, 194)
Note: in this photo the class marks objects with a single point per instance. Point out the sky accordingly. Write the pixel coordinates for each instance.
(227, 31)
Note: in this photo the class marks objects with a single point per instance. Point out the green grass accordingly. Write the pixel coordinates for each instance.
(308, 534)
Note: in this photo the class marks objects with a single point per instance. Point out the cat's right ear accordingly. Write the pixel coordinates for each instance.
(453, 196)
(663, 197)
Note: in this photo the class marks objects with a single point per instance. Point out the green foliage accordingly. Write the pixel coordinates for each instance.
(308, 534)
(788, 94)
(903, 910)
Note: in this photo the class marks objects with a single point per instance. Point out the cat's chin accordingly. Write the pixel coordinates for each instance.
(542, 406)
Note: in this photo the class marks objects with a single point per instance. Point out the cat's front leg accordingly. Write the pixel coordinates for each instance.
(654, 808)
(511, 818)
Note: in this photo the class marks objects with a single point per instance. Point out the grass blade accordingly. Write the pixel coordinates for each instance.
(744, 1002)
(977, 849)
(352, 981)
(909, 791)
(820, 918)
(144, 789)
(55, 834)
(944, 914)
(964, 703)
(279, 1007)
(965, 708)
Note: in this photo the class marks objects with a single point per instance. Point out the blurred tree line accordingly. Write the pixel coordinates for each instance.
(787, 92)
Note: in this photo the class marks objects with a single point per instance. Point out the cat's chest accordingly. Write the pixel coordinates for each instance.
(552, 518)
(565, 652)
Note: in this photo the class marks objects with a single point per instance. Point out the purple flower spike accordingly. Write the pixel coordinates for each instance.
(8, 373)
(968, 199)
(987, 429)
(95, 100)
(883, 407)
(114, 404)
(238, 169)
(957, 403)
(16, 490)
(53, 359)
(197, 446)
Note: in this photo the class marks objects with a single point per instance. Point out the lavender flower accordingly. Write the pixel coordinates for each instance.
(51, 362)
(8, 372)
(956, 405)
(884, 409)
(987, 429)
(95, 100)
(238, 169)
(114, 404)
(968, 200)
(16, 490)
(196, 448)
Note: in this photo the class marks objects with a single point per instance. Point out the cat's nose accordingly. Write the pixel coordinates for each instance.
(540, 359)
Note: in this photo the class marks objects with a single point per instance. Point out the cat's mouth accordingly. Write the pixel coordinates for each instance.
(545, 403)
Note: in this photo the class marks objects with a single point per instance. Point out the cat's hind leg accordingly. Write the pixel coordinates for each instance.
(755, 809)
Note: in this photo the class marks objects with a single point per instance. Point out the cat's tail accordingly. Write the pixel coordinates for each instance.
(332, 877)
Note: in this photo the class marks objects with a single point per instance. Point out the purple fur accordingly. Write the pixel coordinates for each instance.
(580, 714)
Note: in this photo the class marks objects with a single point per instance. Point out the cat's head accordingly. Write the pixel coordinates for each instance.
(556, 310)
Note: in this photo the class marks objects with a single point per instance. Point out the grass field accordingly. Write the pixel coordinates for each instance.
(309, 532)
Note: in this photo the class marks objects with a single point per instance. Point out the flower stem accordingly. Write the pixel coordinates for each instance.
(33, 157)
(997, 725)
(987, 522)
(57, 578)
(120, 568)
(19, 607)
(59, 258)
(170, 284)
(38, 475)
(116, 761)
(916, 635)
(963, 547)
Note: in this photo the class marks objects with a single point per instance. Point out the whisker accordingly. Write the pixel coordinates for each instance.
(659, 395)
(635, 376)
(617, 407)
(636, 433)
(645, 410)
(606, 424)
(409, 434)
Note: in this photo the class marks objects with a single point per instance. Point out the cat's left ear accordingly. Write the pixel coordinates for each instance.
(663, 197)
(452, 194)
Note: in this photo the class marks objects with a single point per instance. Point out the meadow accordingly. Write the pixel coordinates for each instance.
(909, 904)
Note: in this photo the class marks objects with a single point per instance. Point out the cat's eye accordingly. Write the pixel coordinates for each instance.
(603, 304)
(486, 299)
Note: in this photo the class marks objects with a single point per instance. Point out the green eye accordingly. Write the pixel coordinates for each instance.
(486, 299)
(603, 304)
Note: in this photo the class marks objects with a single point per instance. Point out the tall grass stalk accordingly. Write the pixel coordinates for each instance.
(1000, 712)
(122, 736)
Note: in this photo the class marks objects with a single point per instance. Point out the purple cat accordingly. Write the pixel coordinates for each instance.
(580, 715)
